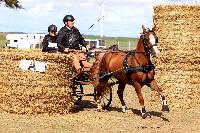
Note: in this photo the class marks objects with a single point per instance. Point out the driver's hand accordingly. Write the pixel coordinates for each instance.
(84, 49)
(66, 49)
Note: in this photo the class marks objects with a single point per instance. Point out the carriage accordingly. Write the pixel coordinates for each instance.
(127, 67)
(78, 83)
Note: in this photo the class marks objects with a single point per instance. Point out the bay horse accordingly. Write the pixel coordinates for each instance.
(131, 67)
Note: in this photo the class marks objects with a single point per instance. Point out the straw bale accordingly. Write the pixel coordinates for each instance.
(178, 69)
(28, 92)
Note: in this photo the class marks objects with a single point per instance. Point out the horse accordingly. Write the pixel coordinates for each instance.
(134, 68)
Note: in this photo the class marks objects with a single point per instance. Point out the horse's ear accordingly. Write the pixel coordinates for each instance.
(144, 29)
(153, 29)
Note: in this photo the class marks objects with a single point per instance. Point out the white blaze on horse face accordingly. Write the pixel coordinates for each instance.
(154, 49)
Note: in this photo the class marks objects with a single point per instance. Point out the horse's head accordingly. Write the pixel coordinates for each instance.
(150, 41)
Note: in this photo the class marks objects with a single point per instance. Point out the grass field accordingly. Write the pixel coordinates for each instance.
(2, 39)
(121, 41)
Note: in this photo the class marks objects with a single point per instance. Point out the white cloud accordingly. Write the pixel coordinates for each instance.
(40, 9)
(122, 17)
(76, 3)
(27, 1)
(86, 5)
(129, 13)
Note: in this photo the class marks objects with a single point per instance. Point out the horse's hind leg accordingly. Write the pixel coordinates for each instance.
(141, 100)
(154, 86)
(120, 95)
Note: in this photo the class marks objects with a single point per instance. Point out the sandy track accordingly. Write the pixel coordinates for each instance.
(86, 119)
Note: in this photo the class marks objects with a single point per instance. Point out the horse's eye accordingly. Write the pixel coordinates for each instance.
(156, 39)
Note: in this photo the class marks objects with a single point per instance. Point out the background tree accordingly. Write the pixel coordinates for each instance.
(14, 4)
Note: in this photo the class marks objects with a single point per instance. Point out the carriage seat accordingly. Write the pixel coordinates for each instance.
(84, 76)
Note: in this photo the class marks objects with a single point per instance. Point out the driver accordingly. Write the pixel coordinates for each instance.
(69, 39)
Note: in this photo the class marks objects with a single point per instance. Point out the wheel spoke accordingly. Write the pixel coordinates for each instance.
(78, 90)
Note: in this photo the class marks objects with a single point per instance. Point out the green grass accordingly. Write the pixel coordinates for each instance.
(2, 39)
(122, 41)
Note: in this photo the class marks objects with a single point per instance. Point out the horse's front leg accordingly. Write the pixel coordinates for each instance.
(154, 86)
(138, 87)
(120, 95)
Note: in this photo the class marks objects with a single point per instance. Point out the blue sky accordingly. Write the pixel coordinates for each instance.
(122, 18)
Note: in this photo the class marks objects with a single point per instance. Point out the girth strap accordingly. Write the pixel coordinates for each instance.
(144, 69)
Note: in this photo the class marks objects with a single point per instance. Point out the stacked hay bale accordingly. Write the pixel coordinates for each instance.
(29, 92)
(178, 67)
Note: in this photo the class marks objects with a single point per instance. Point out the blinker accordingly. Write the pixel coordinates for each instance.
(156, 39)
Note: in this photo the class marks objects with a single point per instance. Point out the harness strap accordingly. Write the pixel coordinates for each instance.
(144, 69)
(129, 70)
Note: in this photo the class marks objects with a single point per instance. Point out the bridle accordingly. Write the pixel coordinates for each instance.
(146, 40)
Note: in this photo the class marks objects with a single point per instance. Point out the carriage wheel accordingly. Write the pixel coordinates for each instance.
(78, 94)
(107, 98)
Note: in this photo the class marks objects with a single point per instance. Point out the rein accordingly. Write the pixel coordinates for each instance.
(103, 74)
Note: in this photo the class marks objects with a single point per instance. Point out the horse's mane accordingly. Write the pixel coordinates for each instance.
(114, 47)
(95, 66)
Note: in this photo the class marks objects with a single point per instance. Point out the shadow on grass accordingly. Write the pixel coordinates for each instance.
(87, 104)
(137, 112)
(152, 113)
(84, 104)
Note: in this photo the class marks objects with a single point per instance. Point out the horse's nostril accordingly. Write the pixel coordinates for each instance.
(155, 54)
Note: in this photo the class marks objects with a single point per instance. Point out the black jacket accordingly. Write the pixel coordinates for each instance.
(69, 38)
(45, 43)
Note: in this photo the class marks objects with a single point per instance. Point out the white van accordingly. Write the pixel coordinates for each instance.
(24, 41)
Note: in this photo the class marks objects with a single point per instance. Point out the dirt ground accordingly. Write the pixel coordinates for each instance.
(86, 119)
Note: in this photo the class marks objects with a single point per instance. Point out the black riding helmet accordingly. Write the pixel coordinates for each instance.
(52, 28)
(68, 18)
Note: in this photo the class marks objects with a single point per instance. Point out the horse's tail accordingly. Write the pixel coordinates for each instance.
(108, 87)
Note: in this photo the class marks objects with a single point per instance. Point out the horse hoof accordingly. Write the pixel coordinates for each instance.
(165, 108)
(145, 115)
(99, 109)
(124, 109)
(105, 110)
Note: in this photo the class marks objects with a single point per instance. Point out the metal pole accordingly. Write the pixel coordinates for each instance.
(102, 13)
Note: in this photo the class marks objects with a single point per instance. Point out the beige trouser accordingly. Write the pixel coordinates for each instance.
(79, 57)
